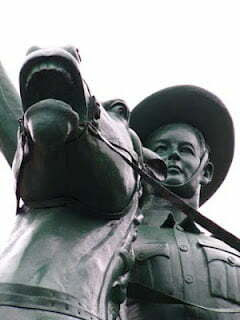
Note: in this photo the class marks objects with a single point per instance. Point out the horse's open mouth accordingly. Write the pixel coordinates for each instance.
(52, 75)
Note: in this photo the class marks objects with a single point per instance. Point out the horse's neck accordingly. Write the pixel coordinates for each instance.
(65, 250)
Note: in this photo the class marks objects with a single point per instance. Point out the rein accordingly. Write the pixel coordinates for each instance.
(194, 215)
(219, 232)
(163, 298)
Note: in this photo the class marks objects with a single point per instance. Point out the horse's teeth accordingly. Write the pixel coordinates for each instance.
(48, 66)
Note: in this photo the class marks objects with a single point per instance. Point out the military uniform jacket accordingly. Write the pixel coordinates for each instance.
(180, 261)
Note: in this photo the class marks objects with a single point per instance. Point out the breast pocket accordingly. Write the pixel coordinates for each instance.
(224, 270)
(153, 266)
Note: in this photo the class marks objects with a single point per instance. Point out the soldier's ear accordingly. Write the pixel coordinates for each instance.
(207, 173)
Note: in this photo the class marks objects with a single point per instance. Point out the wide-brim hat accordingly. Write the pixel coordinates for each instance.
(198, 108)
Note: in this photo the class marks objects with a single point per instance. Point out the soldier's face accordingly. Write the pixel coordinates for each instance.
(179, 148)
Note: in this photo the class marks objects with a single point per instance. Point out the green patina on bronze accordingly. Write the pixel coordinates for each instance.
(181, 273)
(70, 253)
(11, 111)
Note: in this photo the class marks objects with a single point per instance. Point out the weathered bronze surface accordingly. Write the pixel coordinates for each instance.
(180, 272)
(11, 111)
(70, 251)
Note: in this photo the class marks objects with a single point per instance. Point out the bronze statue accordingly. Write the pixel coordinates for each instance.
(180, 272)
(69, 254)
(11, 111)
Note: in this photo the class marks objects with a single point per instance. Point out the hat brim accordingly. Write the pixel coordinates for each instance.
(198, 108)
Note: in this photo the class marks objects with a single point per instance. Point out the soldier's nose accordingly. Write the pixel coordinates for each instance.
(174, 156)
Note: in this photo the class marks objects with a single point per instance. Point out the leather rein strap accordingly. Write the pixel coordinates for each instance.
(163, 298)
(193, 214)
(219, 232)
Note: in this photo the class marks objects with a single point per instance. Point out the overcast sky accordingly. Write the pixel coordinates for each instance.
(129, 50)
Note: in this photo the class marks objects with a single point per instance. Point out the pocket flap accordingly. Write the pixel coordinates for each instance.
(150, 250)
(219, 251)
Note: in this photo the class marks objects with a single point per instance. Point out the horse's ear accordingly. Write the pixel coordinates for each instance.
(32, 49)
(74, 51)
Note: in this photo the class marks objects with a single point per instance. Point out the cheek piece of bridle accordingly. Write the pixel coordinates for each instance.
(86, 127)
(160, 188)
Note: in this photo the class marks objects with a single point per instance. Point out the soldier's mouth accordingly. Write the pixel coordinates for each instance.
(172, 169)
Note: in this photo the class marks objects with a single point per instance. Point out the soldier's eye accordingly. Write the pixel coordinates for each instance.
(187, 150)
(161, 148)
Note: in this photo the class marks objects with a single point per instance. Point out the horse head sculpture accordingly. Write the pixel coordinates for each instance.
(69, 254)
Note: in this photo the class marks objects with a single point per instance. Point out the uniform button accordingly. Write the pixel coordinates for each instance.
(179, 228)
(189, 279)
(231, 260)
(183, 248)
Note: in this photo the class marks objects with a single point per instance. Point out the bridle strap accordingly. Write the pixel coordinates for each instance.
(163, 298)
(219, 232)
(193, 214)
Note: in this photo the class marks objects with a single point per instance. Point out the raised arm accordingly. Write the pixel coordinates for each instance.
(10, 112)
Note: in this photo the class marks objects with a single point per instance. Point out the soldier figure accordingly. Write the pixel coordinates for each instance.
(180, 272)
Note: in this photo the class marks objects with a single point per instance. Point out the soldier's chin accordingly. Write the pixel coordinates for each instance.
(174, 180)
(179, 187)
(184, 191)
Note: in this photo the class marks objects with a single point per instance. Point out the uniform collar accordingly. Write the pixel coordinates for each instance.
(186, 224)
(161, 212)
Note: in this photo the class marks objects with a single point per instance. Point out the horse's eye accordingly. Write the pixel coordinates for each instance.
(161, 148)
(187, 150)
(121, 110)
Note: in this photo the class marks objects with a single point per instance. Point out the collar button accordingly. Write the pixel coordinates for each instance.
(179, 228)
(189, 279)
(183, 248)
